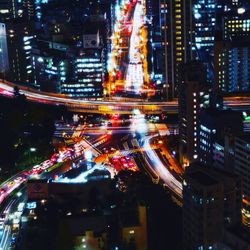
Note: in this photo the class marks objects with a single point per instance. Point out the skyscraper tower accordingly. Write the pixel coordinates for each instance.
(18, 9)
(204, 24)
(8, 9)
(211, 202)
(232, 53)
(176, 27)
(193, 96)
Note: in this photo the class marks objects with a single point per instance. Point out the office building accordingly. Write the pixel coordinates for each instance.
(157, 56)
(110, 227)
(242, 168)
(211, 201)
(8, 9)
(176, 29)
(204, 24)
(223, 151)
(236, 25)
(232, 64)
(214, 126)
(19, 40)
(235, 237)
(4, 56)
(207, 19)
(65, 69)
(232, 54)
(19, 9)
(50, 68)
(193, 96)
(88, 73)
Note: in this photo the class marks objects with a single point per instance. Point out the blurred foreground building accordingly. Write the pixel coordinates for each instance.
(211, 202)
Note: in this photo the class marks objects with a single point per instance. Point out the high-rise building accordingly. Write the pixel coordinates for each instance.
(19, 39)
(59, 68)
(70, 48)
(8, 9)
(235, 25)
(232, 66)
(18, 9)
(232, 55)
(193, 96)
(176, 28)
(242, 168)
(157, 47)
(223, 152)
(50, 67)
(235, 237)
(207, 15)
(211, 201)
(214, 125)
(204, 23)
(88, 72)
(4, 58)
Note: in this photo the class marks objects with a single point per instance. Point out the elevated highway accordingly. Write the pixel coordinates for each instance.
(112, 106)
(119, 105)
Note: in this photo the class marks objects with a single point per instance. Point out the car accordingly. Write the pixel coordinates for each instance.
(36, 167)
(27, 173)
(18, 179)
(54, 158)
(105, 151)
(123, 160)
(62, 156)
(13, 238)
(46, 164)
(11, 183)
(131, 164)
(114, 159)
(2, 191)
(69, 152)
(2, 220)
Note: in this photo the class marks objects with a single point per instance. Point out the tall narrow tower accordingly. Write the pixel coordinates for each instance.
(176, 27)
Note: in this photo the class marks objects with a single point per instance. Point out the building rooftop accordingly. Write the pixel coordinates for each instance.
(202, 178)
(208, 176)
(129, 217)
(79, 224)
(244, 137)
(241, 232)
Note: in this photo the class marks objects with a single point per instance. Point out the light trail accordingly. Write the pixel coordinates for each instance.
(5, 238)
(135, 73)
(160, 169)
(120, 105)
(127, 62)
(82, 178)
(153, 160)
(15, 182)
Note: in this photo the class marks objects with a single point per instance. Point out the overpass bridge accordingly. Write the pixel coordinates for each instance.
(111, 106)
(115, 105)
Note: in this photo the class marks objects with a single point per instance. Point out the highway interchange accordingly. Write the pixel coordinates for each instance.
(134, 149)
